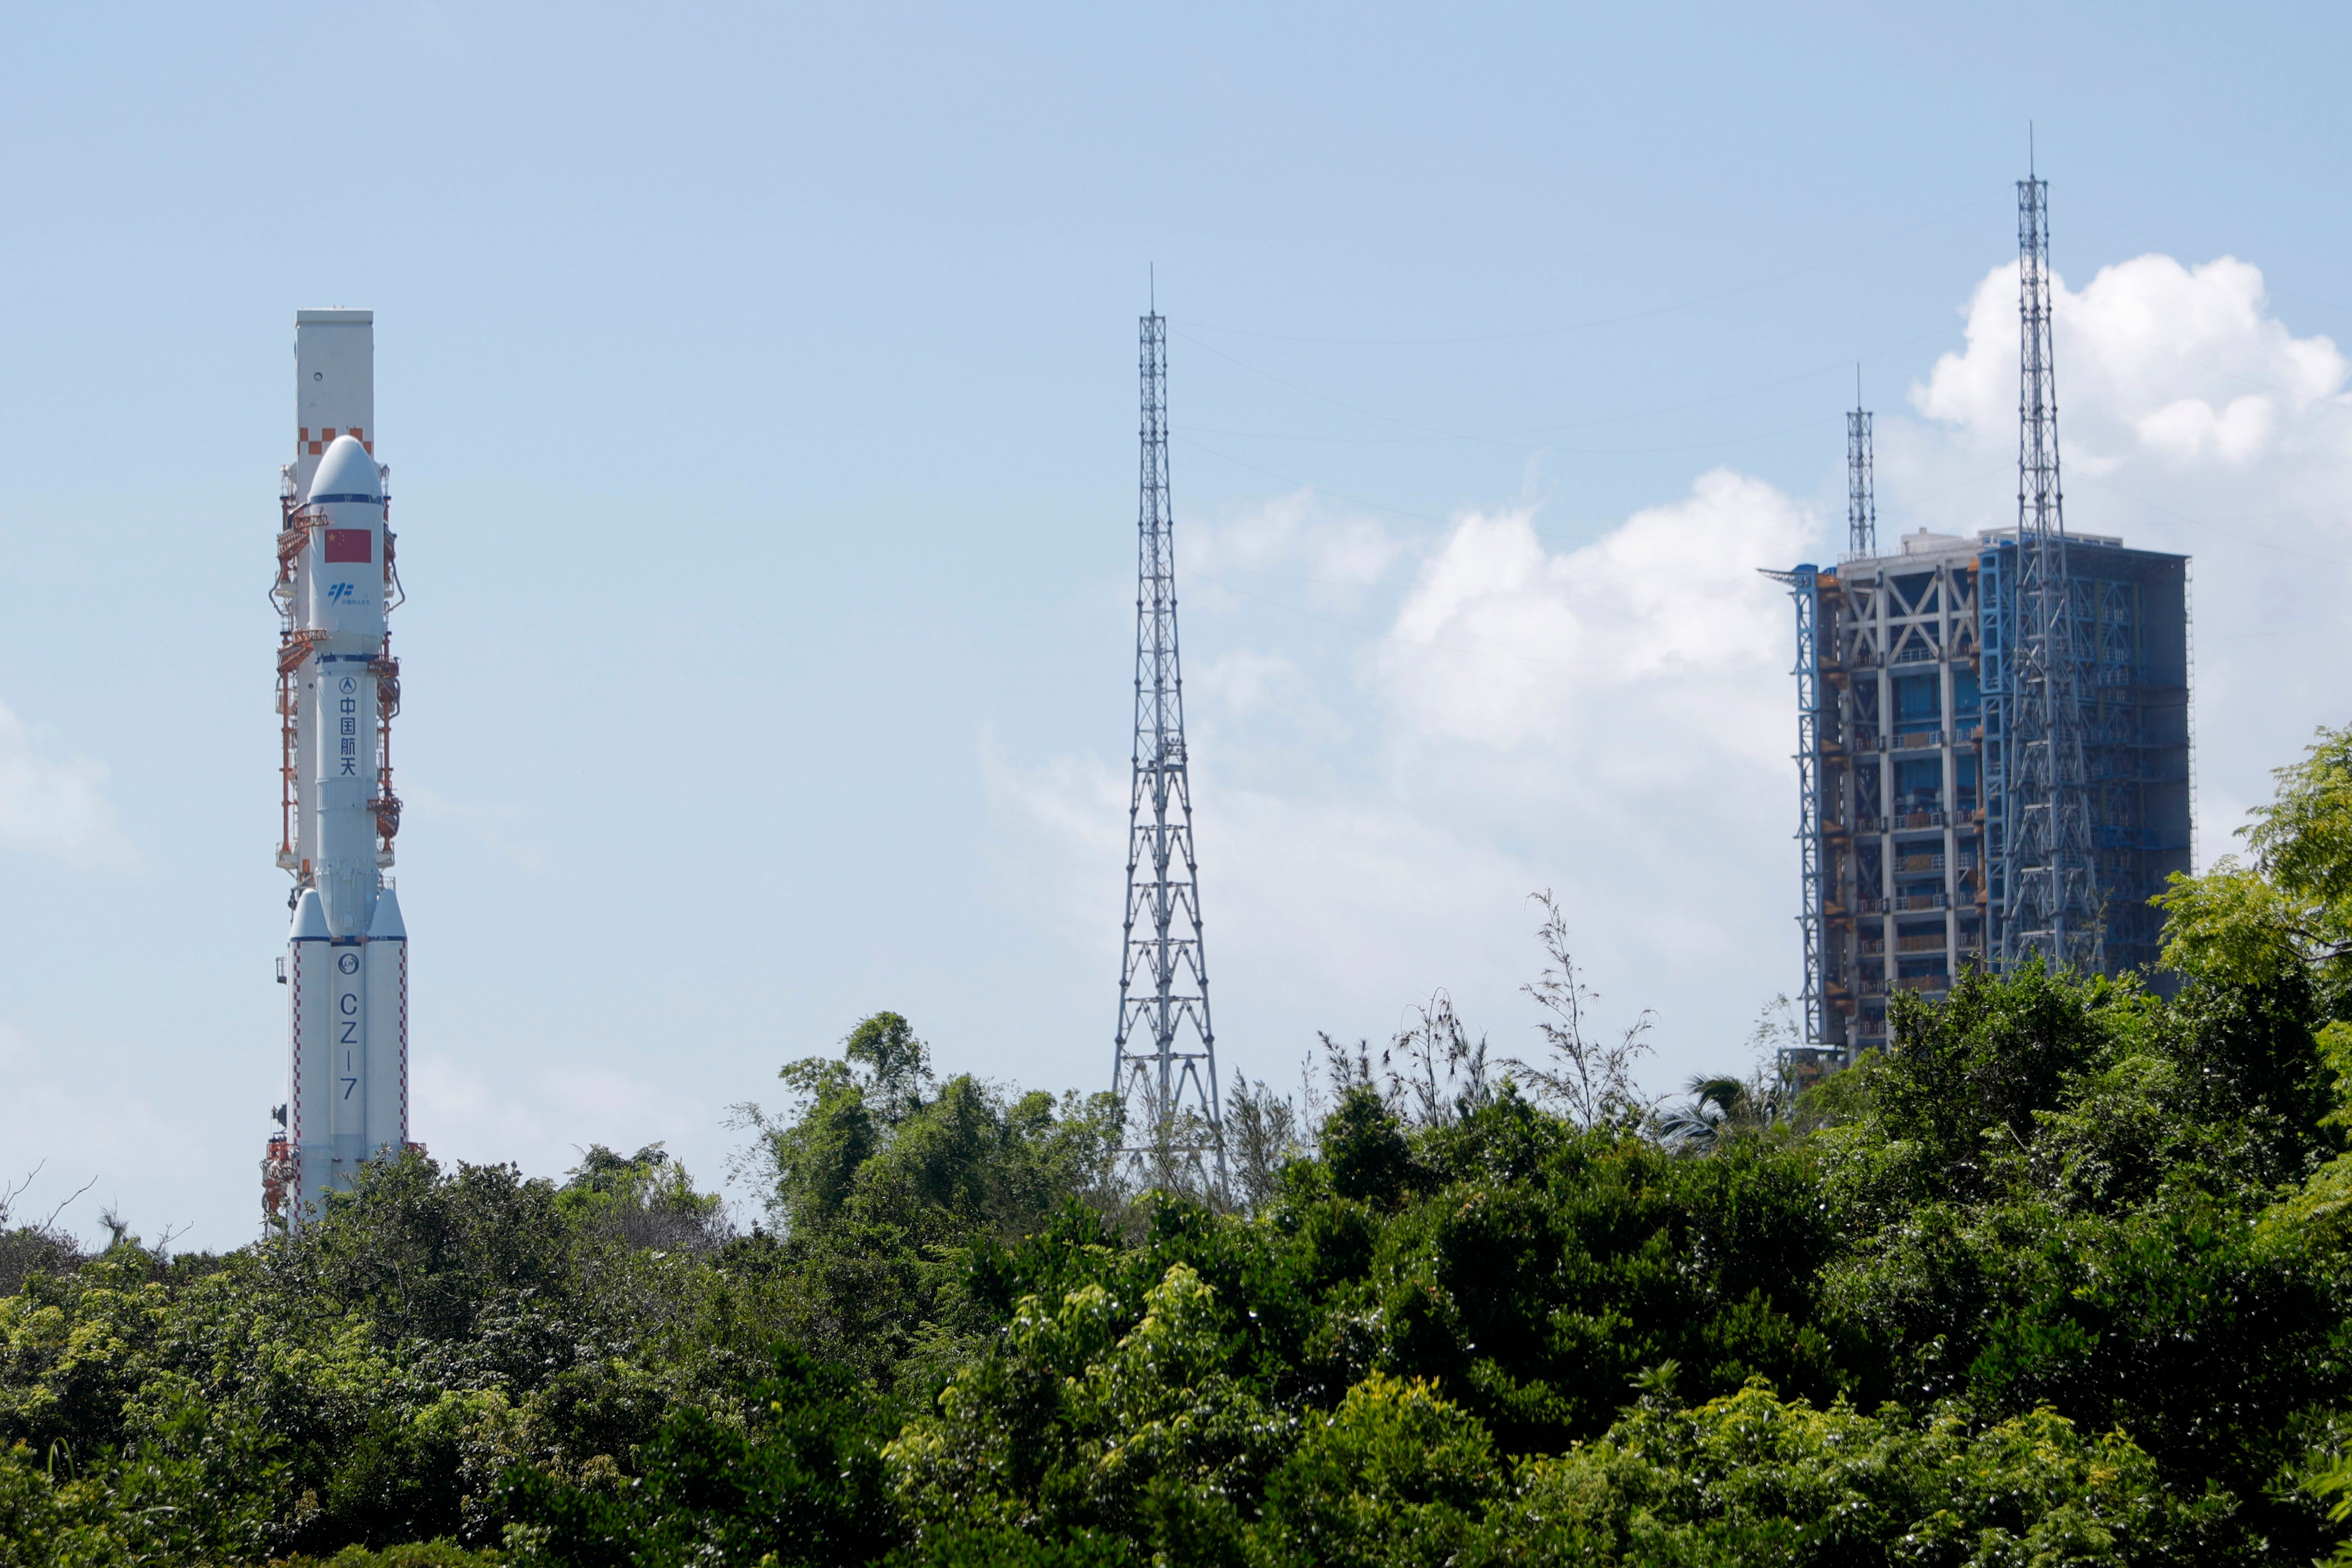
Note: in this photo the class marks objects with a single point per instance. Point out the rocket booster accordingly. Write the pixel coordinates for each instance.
(347, 953)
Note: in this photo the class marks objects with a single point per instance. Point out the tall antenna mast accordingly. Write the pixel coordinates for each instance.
(1165, 1069)
(2048, 907)
(1860, 497)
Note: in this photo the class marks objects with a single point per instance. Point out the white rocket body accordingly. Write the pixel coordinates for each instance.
(347, 959)
(341, 591)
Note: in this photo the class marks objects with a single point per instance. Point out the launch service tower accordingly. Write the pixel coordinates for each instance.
(346, 966)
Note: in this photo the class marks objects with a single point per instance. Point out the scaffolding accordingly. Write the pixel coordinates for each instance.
(1994, 740)
(1804, 1060)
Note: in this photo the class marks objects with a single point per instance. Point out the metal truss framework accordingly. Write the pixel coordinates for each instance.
(1803, 586)
(1165, 1068)
(1820, 807)
(1902, 851)
(1860, 497)
(2044, 899)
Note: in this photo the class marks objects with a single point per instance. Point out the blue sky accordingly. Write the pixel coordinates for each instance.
(759, 390)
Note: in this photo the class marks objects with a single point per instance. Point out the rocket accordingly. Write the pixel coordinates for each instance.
(346, 965)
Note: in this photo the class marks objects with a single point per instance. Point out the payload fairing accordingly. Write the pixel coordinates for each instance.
(346, 968)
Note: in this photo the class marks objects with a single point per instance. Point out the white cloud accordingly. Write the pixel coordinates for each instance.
(1302, 540)
(2154, 359)
(1621, 715)
(2192, 428)
(56, 805)
(1662, 625)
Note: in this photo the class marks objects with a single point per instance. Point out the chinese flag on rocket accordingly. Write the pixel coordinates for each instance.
(350, 544)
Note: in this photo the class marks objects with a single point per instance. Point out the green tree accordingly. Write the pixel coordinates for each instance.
(882, 1180)
(799, 1481)
(1751, 1478)
(1100, 1416)
(2291, 906)
(1395, 1476)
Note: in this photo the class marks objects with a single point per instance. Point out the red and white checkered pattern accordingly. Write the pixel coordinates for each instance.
(318, 447)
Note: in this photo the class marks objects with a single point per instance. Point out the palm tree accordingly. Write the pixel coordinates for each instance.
(1720, 1109)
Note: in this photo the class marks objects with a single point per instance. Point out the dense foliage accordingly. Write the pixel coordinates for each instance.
(2063, 1279)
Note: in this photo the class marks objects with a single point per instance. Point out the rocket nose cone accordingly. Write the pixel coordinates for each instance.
(386, 926)
(346, 473)
(310, 918)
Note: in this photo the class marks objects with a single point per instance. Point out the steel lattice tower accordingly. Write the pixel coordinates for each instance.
(1804, 585)
(1861, 491)
(2047, 902)
(1165, 1069)
(1814, 865)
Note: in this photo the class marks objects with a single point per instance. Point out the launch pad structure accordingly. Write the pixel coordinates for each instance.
(346, 967)
(1994, 735)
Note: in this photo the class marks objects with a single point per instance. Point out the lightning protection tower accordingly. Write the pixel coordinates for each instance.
(2044, 901)
(1165, 1068)
(1861, 490)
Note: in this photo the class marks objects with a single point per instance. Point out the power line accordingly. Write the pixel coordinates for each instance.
(1506, 438)
(1969, 204)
